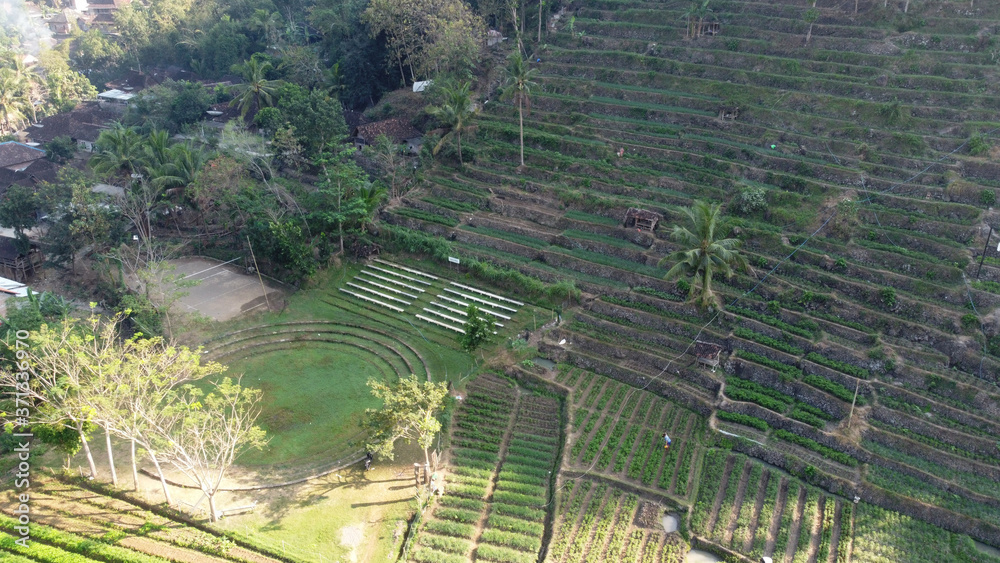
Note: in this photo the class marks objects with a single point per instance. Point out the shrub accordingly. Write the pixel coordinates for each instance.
(888, 296)
(749, 200)
(987, 197)
(504, 555)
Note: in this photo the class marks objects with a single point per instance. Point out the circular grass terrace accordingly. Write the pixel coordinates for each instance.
(313, 375)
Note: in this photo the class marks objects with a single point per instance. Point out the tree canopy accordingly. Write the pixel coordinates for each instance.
(409, 412)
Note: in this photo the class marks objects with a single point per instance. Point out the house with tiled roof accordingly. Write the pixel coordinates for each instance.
(83, 125)
(396, 129)
(16, 157)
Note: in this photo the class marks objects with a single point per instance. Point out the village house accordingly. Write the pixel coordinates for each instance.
(83, 125)
(16, 157)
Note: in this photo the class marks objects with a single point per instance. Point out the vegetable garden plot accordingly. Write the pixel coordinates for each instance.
(494, 507)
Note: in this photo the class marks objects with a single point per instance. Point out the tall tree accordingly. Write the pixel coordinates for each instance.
(518, 87)
(62, 366)
(478, 329)
(455, 114)
(339, 202)
(702, 253)
(202, 434)
(119, 152)
(15, 103)
(19, 211)
(256, 91)
(409, 412)
(810, 17)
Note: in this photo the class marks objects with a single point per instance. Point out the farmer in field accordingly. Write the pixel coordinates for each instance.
(666, 441)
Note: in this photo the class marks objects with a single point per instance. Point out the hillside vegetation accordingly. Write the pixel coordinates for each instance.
(857, 169)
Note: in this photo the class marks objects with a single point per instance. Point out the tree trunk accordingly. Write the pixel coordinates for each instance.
(111, 458)
(809, 33)
(522, 16)
(520, 115)
(135, 471)
(459, 133)
(163, 479)
(539, 22)
(212, 514)
(855, 7)
(86, 449)
(706, 286)
(906, 6)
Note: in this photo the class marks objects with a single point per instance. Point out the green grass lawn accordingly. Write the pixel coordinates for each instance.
(315, 392)
(314, 396)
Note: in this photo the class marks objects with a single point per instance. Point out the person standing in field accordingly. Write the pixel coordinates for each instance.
(666, 441)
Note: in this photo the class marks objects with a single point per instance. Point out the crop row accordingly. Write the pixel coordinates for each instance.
(766, 515)
(576, 551)
(728, 498)
(621, 530)
(745, 514)
(826, 529)
(791, 502)
(767, 341)
(64, 547)
(568, 519)
(744, 419)
(805, 526)
(849, 369)
(712, 472)
(784, 369)
(808, 443)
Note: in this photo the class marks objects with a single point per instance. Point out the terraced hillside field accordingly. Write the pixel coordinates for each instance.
(496, 506)
(863, 350)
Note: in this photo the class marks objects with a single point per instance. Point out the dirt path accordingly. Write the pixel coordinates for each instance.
(688, 443)
(741, 491)
(672, 430)
(714, 515)
(817, 530)
(779, 508)
(835, 535)
(757, 505)
(796, 529)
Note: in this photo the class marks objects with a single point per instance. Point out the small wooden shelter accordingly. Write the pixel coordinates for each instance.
(16, 265)
(641, 219)
(729, 113)
(707, 353)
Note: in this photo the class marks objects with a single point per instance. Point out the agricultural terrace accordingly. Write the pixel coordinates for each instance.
(861, 353)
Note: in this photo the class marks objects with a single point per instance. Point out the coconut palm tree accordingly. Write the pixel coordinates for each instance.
(518, 87)
(181, 169)
(702, 254)
(455, 114)
(119, 152)
(257, 91)
(15, 101)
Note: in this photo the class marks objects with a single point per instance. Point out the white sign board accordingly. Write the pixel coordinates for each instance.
(454, 260)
